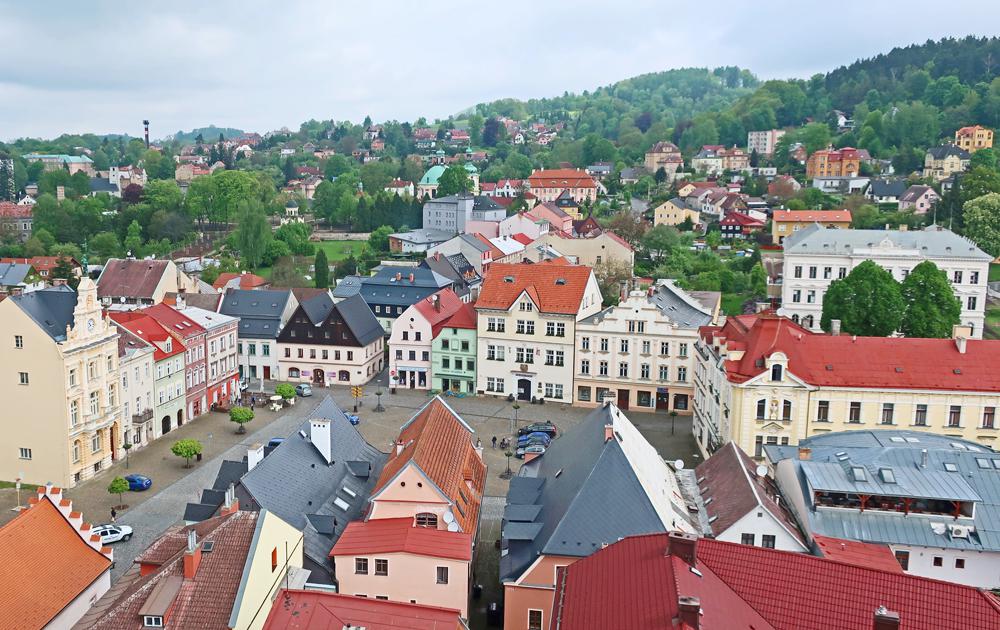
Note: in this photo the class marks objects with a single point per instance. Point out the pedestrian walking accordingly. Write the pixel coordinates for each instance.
(253, 401)
(479, 443)
(114, 515)
(494, 441)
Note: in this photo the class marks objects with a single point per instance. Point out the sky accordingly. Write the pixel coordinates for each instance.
(102, 67)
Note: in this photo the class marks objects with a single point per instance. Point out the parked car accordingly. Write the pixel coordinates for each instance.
(533, 442)
(138, 483)
(112, 533)
(355, 420)
(539, 427)
(244, 384)
(304, 390)
(531, 448)
(539, 436)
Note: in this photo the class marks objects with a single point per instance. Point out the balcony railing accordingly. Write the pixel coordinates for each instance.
(145, 416)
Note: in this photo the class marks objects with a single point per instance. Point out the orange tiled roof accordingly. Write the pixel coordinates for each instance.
(44, 566)
(505, 282)
(561, 178)
(842, 216)
(439, 442)
(400, 535)
(247, 280)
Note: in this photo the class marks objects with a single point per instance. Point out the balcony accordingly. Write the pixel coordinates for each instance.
(145, 416)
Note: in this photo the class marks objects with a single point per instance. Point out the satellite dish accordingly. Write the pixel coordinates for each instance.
(762, 470)
(679, 464)
(453, 527)
(448, 517)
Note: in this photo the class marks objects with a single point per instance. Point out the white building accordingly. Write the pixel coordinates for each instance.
(816, 256)
(136, 364)
(763, 142)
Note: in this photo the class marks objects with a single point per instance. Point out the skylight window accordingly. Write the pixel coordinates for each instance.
(887, 475)
(982, 462)
(858, 473)
(950, 467)
(996, 463)
(896, 439)
(344, 505)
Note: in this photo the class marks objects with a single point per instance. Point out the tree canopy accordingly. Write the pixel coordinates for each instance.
(868, 302)
(931, 308)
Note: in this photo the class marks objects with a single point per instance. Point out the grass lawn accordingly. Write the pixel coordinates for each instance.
(992, 330)
(732, 303)
(339, 250)
(994, 272)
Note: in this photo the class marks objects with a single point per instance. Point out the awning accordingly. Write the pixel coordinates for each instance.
(403, 368)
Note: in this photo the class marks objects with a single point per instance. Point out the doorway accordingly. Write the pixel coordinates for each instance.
(623, 399)
(524, 389)
(662, 400)
(114, 442)
(267, 372)
(317, 376)
(180, 417)
(165, 425)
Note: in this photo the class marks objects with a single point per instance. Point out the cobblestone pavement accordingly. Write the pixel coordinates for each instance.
(152, 512)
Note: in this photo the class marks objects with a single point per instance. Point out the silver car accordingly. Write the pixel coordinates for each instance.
(113, 533)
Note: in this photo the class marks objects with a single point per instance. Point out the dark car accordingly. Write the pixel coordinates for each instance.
(138, 483)
(540, 437)
(539, 427)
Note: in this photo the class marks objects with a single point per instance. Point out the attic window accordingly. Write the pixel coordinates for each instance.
(344, 505)
(207, 546)
(950, 467)
(829, 367)
(858, 473)
(508, 279)
(996, 463)
(982, 462)
(560, 281)
(899, 370)
(957, 370)
(887, 475)
(152, 621)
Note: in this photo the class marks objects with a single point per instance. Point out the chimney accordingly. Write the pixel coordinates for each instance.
(230, 504)
(255, 454)
(834, 327)
(192, 556)
(609, 432)
(399, 446)
(960, 343)
(411, 276)
(319, 434)
(683, 546)
(923, 458)
(60, 193)
(689, 611)
(885, 619)
(436, 300)
(805, 453)
(179, 302)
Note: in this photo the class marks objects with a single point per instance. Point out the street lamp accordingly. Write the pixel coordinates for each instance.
(507, 474)
(127, 446)
(673, 417)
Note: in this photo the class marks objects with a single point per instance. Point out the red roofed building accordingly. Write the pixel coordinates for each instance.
(857, 553)
(738, 225)
(418, 539)
(244, 280)
(136, 282)
(412, 337)
(974, 138)
(679, 581)
(53, 565)
(527, 322)
(16, 219)
(548, 184)
(779, 382)
(843, 162)
(787, 222)
(317, 610)
(44, 264)
(194, 339)
(453, 352)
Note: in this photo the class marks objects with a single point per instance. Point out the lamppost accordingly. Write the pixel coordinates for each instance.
(507, 474)
(127, 446)
(673, 417)
(378, 395)
(515, 407)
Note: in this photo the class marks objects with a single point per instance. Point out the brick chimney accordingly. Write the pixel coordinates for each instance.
(319, 434)
(689, 611)
(192, 556)
(230, 504)
(805, 453)
(683, 545)
(609, 432)
(885, 619)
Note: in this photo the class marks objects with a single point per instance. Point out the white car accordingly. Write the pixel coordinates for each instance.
(113, 533)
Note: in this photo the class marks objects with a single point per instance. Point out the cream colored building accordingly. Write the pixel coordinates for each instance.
(762, 379)
(641, 352)
(59, 385)
(944, 161)
(136, 367)
(591, 251)
(274, 556)
(675, 212)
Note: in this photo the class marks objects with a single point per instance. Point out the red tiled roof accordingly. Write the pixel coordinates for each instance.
(8, 209)
(888, 363)
(439, 443)
(730, 478)
(464, 317)
(178, 324)
(399, 535)
(523, 239)
(317, 610)
(820, 216)
(506, 202)
(740, 219)
(969, 131)
(857, 553)
(44, 565)
(40, 263)
(541, 282)
(131, 278)
(247, 280)
(448, 304)
(634, 584)
(561, 178)
(149, 330)
(495, 252)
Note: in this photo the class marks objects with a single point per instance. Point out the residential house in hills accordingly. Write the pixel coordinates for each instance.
(17, 278)
(599, 246)
(558, 219)
(737, 225)
(943, 161)
(326, 342)
(477, 252)
(243, 280)
(664, 155)
(919, 199)
(418, 539)
(412, 338)
(527, 318)
(71, 163)
(597, 483)
(764, 142)
(417, 241)
(974, 138)
(464, 279)
(454, 213)
(16, 220)
(262, 315)
(547, 184)
(45, 265)
(392, 289)
(881, 190)
(844, 162)
(674, 212)
(316, 610)
(784, 223)
(55, 565)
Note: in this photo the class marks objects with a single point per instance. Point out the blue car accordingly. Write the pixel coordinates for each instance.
(537, 436)
(355, 420)
(138, 483)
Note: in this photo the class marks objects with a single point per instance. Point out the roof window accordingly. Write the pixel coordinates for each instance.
(982, 462)
(950, 467)
(887, 475)
(858, 473)
(508, 279)
(560, 281)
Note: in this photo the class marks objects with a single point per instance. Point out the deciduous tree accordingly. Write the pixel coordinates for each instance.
(931, 308)
(868, 302)
(186, 449)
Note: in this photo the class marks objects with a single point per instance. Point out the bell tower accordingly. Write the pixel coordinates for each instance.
(88, 320)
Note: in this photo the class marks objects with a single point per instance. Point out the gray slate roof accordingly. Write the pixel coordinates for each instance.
(360, 319)
(932, 242)
(887, 187)
(347, 286)
(445, 266)
(685, 310)
(383, 288)
(13, 274)
(943, 151)
(595, 499)
(424, 236)
(51, 308)
(99, 185)
(295, 483)
(259, 311)
(976, 478)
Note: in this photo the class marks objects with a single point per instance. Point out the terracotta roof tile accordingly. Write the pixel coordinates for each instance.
(561, 178)
(399, 535)
(821, 216)
(149, 330)
(464, 317)
(857, 553)
(315, 610)
(247, 280)
(505, 282)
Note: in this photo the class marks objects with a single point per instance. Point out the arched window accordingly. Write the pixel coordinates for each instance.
(427, 519)
(761, 409)
(293, 372)
(795, 318)
(786, 411)
(344, 375)
(807, 321)
(776, 372)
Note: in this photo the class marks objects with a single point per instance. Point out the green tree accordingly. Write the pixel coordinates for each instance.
(45, 237)
(758, 281)
(321, 268)
(931, 308)
(133, 239)
(982, 222)
(241, 416)
(660, 240)
(378, 240)
(105, 245)
(118, 486)
(253, 234)
(187, 449)
(288, 170)
(285, 390)
(454, 180)
(868, 302)
(986, 158)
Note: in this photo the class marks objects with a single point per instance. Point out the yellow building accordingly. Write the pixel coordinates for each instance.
(974, 138)
(59, 385)
(674, 212)
(762, 379)
(784, 223)
(944, 161)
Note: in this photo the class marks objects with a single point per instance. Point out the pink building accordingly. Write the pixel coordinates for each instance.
(193, 337)
(221, 356)
(418, 540)
(552, 213)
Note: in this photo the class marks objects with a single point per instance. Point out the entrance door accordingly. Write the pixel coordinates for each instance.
(623, 399)
(317, 376)
(180, 417)
(267, 372)
(662, 401)
(114, 442)
(524, 389)
(165, 425)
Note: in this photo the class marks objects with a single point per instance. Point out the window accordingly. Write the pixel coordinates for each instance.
(361, 566)
(747, 539)
(427, 519)
(25, 453)
(602, 368)
(682, 374)
(416, 336)
(274, 558)
(95, 403)
(938, 561)
(534, 619)
(971, 303)
(583, 393)
(442, 575)
(811, 297)
(682, 350)
(585, 366)
(761, 409)
(553, 329)
(18, 341)
(812, 272)
(406, 335)
(301, 353)
(72, 377)
(959, 563)
(665, 348)
(623, 370)
(623, 345)
(381, 567)
(525, 327)
(251, 348)
(989, 416)
(76, 451)
(957, 277)
(827, 273)
(494, 353)
(526, 306)
(776, 372)
(854, 413)
(465, 346)
(23, 378)
(74, 413)
(525, 355)
(798, 271)
(495, 324)
(664, 373)
(95, 442)
(604, 344)
(786, 411)
(823, 411)
(955, 416)
(973, 277)
(767, 541)
(585, 343)
(646, 347)
(842, 273)
(903, 558)
(312, 353)
(446, 363)
(887, 409)
(444, 344)
(920, 416)
(796, 296)
(152, 621)
(644, 370)
(758, 446)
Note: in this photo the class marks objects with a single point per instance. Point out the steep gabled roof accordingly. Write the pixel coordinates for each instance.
(131, 277)
(318, 610)
(438, 308)
(150, 331)
(553, 288)
(51, 308)
(400, 535)
(239, 281)
(463, 317)
(173, 320)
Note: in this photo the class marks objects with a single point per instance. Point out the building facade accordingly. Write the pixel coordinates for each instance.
(136, 364)
(664, 155)
(816, 256)
(604, 247)
(453, 353)
(943, 161)
(221, 356)
(784, 223)
(547, 185)
(974, 138)
(261, 315)
(412, 339)
(193, 337)
(674, 212)
(763, 142)
(845, 162)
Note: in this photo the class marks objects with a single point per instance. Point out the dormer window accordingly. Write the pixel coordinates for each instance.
(152, 621)
(169, 345)
(776, 371)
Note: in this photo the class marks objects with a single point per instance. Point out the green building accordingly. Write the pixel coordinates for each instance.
(453, 353)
